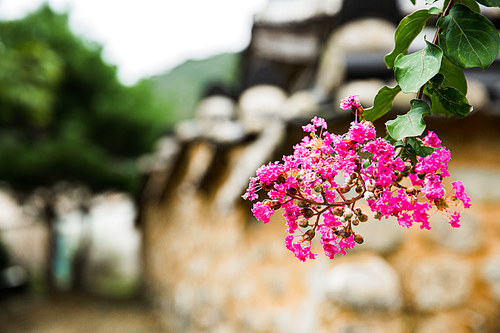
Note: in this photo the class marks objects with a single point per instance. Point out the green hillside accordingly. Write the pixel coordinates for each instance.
(184, 85)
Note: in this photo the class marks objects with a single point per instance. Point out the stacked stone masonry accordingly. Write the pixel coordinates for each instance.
(213, 268)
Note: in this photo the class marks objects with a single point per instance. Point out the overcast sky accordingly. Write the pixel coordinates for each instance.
(148, 37)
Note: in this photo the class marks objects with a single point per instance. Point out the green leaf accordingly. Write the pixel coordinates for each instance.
(410, 124)
(407, 30)
(413, 1)
(419, 148)
(414, 70)
(399, 143)
(447, 101)
(453, 101)
(489, 3)
(436, 81)
(472, 4)
(382, 103)
(468, 39)
(453, 76)
(430, 2)
(437, 108)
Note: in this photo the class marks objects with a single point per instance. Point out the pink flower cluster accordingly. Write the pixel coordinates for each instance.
(350, 103)
(319, 185)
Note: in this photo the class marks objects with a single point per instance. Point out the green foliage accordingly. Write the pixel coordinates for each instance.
(410, 124)
(413, 147)
(414, 70)
(490, 3)
(408, 29)
(28, 75)
(472, 4)
(63, 113)
(465, 38)
(453, 76)
(468, 39)
(447, 100)
(382, 103)
(416, 147)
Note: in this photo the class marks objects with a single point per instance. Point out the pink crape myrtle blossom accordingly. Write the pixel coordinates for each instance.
(250, 193)
(262, 212)
(455, 219)
(269, 173)
(301, 252)
(432, 140)
(360, 132)
(316, 203)
(460, 193)
(350, 103)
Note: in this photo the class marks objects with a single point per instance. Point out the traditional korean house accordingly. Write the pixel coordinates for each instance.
(209, 266)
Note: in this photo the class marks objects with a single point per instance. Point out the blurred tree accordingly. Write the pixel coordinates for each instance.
(63, 113)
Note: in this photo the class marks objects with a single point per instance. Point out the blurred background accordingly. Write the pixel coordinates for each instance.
(128, 133)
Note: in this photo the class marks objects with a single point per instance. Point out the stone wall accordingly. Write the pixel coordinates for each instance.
(209, 266)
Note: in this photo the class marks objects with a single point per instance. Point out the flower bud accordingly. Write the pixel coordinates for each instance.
(441, 204)
(411, 190)
(307, 212)
(303, 222)
(302, 203)
(369, 195)
(359, 239)
(281, 179)
(377, 215)
(344, 188)
(359, 189)
(355, 221)
(363, 217)
(338, 211)
(408, 166)
(370, 186)
(292, 191)
(318, 188)
(421, 175)
(348, 213)
(267, 187)
(358, 211)
(275, 204)
(399, 176)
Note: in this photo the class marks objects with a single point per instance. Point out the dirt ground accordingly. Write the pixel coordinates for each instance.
(76, 314)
